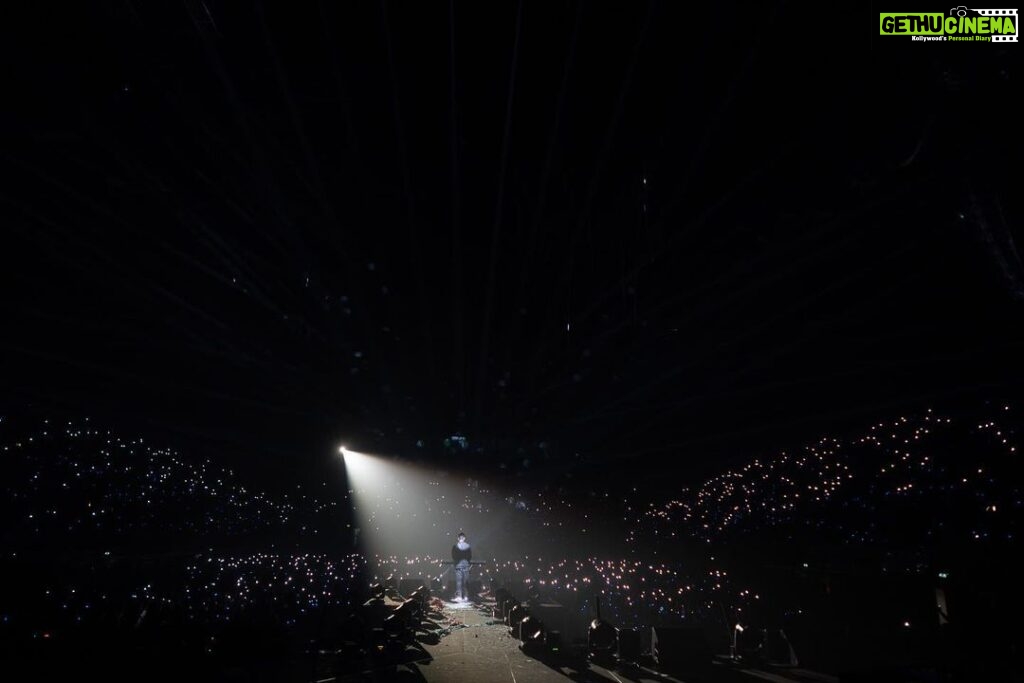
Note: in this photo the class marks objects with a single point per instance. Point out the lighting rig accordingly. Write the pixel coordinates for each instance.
(602, 639)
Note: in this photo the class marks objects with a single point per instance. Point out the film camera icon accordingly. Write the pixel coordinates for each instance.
(960, 11)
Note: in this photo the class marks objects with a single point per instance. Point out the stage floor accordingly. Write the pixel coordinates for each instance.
(472, 648)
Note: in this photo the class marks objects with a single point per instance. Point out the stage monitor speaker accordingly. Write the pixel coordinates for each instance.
(554, 641)
(554, 615)
(684, 648)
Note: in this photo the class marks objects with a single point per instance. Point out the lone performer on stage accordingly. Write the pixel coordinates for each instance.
(461, 556)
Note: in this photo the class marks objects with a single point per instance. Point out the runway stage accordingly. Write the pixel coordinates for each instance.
(462, 643)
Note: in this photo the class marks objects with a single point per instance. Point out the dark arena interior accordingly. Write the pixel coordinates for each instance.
(701, 323)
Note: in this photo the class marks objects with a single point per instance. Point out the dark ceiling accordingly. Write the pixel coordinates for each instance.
(622, 230)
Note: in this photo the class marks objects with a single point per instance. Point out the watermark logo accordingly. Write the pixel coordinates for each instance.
(959, 24)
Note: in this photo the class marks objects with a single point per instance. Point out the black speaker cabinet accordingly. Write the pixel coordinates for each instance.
(684, 648)
(630, 645)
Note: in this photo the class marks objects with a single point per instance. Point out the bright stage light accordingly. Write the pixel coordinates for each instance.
(404, 508)
(394, 504)
(366, 470)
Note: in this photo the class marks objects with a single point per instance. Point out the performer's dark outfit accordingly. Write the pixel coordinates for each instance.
(461, 556)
